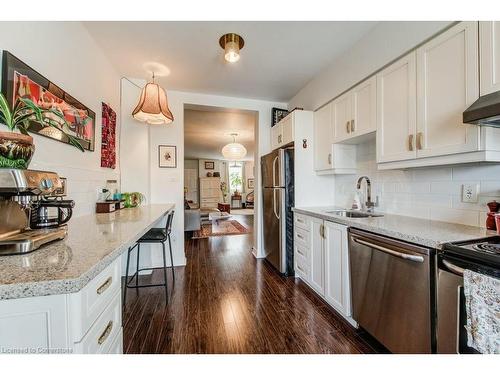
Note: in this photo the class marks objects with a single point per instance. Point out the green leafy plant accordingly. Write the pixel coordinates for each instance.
(26, 111)
(235, 180)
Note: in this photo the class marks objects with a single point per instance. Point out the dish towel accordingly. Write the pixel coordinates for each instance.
(482, 305)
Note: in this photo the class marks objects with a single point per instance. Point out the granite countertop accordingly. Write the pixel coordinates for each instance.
(66, 266)
(428, 233)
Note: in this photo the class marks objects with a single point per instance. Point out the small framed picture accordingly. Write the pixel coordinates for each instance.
(167, 156)
(251, 183)
(209, 165)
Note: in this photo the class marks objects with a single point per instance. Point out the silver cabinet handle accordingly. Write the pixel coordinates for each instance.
(330, 159)
(413, 258)
(300, 236)
(106, 333)
(300, 268)
(352, 126)
(300, 252)
(104, 285)
(455, 269)
(348, 127)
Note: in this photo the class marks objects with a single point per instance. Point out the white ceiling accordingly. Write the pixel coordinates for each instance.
(208, 129)
(278, 59)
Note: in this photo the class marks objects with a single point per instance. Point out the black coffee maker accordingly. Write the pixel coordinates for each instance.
(50, 212)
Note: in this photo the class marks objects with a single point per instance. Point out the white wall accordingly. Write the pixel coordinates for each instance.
(430, 193)
(65, 53)
(167, 184)
(384, 43)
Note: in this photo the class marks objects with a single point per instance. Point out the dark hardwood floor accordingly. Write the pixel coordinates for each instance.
(226, 301)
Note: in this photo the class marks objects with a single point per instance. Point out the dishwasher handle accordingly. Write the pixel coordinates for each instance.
(413, 258)
(459, 271)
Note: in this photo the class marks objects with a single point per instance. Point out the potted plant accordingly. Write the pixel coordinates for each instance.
(16, 145)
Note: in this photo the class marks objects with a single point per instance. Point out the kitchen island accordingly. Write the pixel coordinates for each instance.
(66, 296)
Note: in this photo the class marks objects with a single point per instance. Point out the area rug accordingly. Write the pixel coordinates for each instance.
(224, 228)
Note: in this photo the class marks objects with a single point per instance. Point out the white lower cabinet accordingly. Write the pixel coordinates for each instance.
(88, 321)
(321, 260)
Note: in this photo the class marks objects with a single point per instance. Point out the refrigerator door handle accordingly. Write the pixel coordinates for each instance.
(274, 170)
(274, 204)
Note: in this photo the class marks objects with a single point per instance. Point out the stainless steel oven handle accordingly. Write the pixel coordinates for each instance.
(455, 269)
(413, 258)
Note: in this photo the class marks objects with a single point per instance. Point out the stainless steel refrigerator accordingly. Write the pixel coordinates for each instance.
(278, 200)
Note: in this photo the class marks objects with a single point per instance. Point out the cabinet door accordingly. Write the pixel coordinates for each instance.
(337, 292)
(396, 111)
(317, 258)
(323, 138)
(342, 116)
(276, 135)
(287, 129)
(447, 83)
(364, 111)
(489, 39)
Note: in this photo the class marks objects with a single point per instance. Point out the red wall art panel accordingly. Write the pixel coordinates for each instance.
(108, 146)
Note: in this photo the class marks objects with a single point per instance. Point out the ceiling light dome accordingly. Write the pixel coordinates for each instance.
(231, 43)
(234, 151)
(153, 105)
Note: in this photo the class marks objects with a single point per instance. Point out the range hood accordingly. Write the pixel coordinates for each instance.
(485, 111)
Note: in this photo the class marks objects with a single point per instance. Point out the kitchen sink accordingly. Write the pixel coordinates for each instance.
(353, 214)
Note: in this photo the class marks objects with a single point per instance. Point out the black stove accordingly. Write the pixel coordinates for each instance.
(484, 250)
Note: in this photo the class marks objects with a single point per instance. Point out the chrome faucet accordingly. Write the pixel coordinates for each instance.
(368, 204)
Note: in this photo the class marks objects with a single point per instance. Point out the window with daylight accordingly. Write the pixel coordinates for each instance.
(236, 177)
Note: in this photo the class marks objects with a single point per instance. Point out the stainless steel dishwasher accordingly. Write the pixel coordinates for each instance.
(391, 285)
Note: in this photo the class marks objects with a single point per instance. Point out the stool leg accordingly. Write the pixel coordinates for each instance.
(126, 277)
(137, 266)
(171, 258)
(165, 272)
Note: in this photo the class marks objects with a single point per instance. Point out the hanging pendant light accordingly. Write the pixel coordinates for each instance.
(234, 151)
(153, 105)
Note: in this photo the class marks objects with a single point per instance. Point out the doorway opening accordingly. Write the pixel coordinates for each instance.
(219, 190)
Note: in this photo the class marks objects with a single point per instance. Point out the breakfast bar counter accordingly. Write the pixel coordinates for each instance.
(66, 266)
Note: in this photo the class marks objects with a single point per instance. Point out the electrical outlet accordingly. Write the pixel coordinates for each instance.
(470, 193)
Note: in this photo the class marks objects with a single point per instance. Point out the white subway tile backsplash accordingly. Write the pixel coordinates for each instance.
(433, 193)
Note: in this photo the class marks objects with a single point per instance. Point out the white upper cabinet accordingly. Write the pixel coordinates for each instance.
(364, 107)
(342, 116)
(287, 129)
(447, 83)
(323, 138)
(276, 136)
(396, 111)
(489, 38)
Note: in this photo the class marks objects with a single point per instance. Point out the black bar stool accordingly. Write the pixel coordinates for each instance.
(154, 235)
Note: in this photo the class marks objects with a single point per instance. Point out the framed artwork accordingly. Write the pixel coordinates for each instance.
(209, 165)
(21, 81)
(108, 147)
(251, 183)
(167, 156)
(277, 114)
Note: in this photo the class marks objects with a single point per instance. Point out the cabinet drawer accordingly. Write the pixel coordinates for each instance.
(302, 237)
(100, 337)
(302, 268)
(301, 221)
(302, 251)
(93, 299)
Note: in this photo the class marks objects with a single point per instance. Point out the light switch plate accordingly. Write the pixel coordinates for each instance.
(470, 193)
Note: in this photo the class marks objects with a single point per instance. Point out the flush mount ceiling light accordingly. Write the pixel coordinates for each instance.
(234, 151)
(153, 105)
(231, 44)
